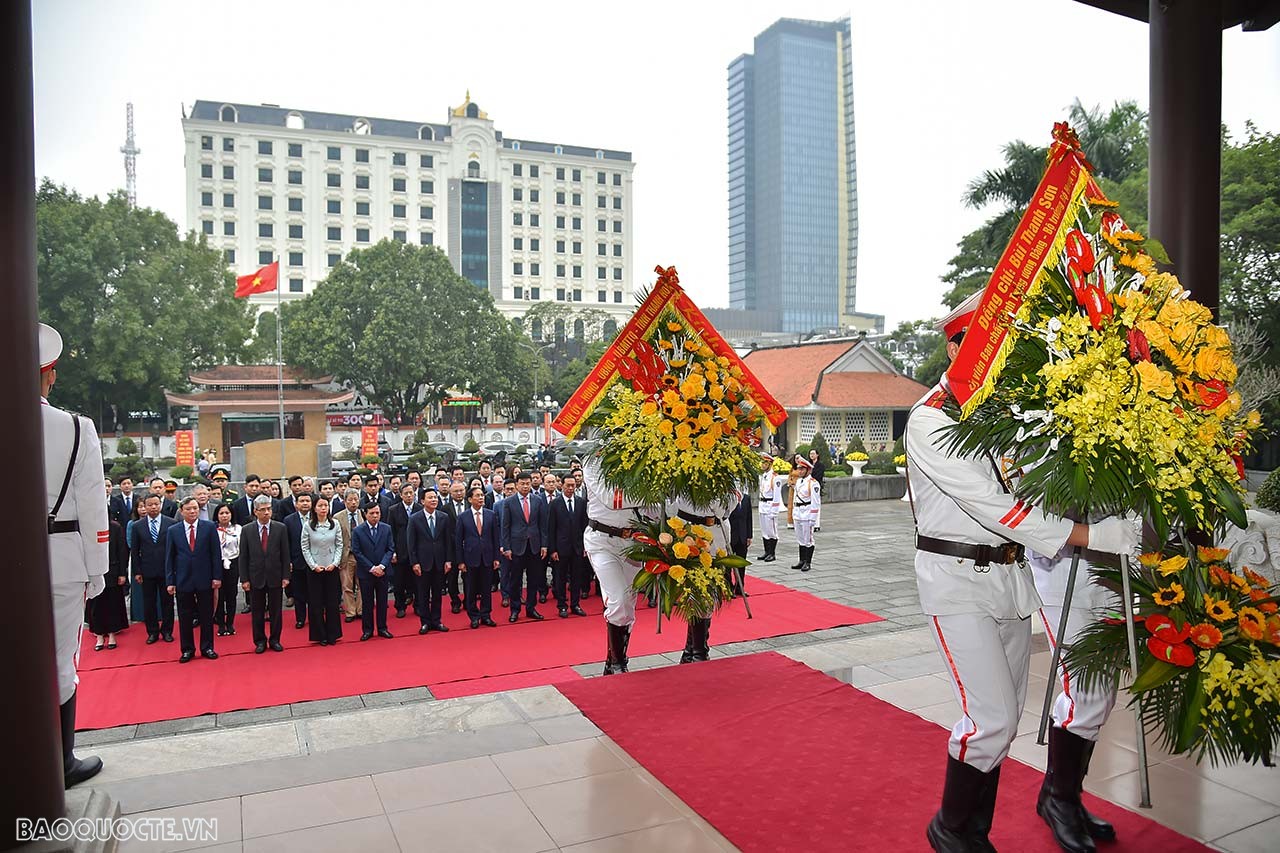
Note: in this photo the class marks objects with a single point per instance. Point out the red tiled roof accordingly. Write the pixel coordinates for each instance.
(791, 373)
(258, 399)
(254, 374)
(869, 390)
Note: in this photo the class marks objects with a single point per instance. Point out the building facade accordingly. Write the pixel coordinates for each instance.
(528, 221)
(793, 186)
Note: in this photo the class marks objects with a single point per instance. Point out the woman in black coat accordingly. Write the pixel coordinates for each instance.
(106, 614)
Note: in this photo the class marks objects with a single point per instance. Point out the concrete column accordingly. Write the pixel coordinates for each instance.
(30, 740)
(1185, 149)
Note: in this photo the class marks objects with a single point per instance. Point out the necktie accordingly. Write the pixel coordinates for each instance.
(155, 530)
(524, 502)
(479, 523)
(264, 538)
(191, 536)
(128, 505)
(570, 506)
(431, 522)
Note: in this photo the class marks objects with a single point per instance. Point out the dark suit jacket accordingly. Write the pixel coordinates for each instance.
(565, 530)
(169, 507)
(519, 536)
(116, 510)
(242, 510)
(398, 520)
(740, 524)
(283, 508)
(117, 554)
(372, 548)
(264, 569)
(431, 552)
(474, 549)
(148, 556)
(293, 524)
(188, 570)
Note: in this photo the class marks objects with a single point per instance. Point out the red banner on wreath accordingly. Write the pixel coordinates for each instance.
(666, 294)
(184, 448)
(1036, 244)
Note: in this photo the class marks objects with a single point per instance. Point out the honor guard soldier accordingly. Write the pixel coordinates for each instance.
(610, 514)
(770, 506)
(976, 588)
(805, 507)
(78, 540)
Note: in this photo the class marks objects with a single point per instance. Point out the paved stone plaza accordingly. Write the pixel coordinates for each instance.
(403, 770)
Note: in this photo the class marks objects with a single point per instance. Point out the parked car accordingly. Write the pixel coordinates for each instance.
(566, 450)
(443, 447)
(489, 448)
(397, 462)
(342, 466)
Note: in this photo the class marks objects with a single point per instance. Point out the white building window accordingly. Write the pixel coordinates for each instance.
(227, 113)
(878, 427)
(294, 121)
(808, 426)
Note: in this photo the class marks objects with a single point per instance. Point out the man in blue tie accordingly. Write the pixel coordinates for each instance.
(148, 570)
(193, 572)
(372, 544)
(431, 556)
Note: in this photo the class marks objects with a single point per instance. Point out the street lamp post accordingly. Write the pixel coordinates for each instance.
(543, 406)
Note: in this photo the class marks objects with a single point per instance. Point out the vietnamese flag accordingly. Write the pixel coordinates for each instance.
(262, 281)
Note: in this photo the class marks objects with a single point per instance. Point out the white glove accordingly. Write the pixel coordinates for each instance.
(1116, 535)
(97, 584)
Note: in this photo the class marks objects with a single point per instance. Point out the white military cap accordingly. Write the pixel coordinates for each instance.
(50, 346)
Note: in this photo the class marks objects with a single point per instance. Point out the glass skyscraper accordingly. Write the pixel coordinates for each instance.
(793, 187)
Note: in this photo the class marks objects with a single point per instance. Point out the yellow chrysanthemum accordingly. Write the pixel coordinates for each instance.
(1154, 380)
(673, 326)
(679, 410)
(676, 524)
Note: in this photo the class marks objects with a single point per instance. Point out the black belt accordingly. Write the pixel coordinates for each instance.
(697, 519)
(618, 532)
(803, 503)
(63, 526)
(982, 555)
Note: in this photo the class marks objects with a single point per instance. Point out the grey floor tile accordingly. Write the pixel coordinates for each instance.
(178, 726)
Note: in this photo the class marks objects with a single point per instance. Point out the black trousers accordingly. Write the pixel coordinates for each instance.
(524, 572)
(455, 595)
(429, 590)
(195, 604)
(404, 585)
(478, 582)
(264, 600)
(298, 591)
(570, 572)
(324, 595)
(224, 612)
(161, 622)
(373, 597)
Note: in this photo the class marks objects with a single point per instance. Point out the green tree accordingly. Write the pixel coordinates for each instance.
(137, 304)
(1250, 255)
(417, 330)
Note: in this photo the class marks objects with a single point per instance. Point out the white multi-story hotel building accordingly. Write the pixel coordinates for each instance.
(528, 221)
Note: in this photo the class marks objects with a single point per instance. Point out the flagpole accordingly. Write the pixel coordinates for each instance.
(280, 370)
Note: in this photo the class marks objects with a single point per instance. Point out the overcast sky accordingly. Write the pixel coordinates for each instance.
(938, 88)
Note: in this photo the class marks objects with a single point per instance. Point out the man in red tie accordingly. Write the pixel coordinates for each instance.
(525, 523)
(193, 573)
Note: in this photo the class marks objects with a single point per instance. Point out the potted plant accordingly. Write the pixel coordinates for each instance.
(900, 462)
(371, 461)
(856, 461)
(181, 473)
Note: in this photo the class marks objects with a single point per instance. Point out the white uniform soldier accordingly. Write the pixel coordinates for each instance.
(610, 515)
(977, 590)
(1078, 712)
(78, 540)
(805, 508)
(716, 519)
(770, 506)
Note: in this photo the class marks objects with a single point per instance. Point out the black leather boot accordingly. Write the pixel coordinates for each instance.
(948, 832)
(1099, 829)
(1061, 807)
(74, 770)
(701, 640)
(807, 557)
(980, 822)
(800, 564)
(619, 637)
(689, 640)
(770, 551)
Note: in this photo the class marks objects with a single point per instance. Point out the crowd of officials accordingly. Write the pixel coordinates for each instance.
(339, 550)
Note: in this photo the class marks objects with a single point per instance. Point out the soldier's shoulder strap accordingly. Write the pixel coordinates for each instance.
(66, 479)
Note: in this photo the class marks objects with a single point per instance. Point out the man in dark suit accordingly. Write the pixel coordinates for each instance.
(242, 508)
(193, 572)
(120, 508)
(477, 555)
(373, 546)
(168, 506)
(431, 556)
(288, 506)
(264, 571)
(298, 578)
(524, 542)
(404, 582)
(455, 505)
(740, 532)
(568, 553)
(148, 570)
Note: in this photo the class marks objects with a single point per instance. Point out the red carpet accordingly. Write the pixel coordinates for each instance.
(779, 757)
(137, 683)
